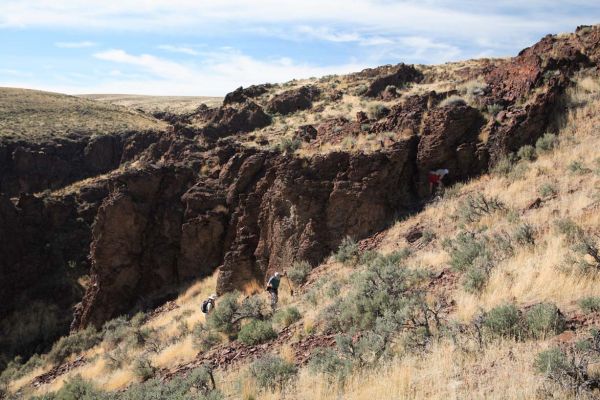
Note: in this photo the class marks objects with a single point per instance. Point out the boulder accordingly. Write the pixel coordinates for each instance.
(293, 100)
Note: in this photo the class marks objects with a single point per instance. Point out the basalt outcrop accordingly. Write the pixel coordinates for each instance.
(177, 205)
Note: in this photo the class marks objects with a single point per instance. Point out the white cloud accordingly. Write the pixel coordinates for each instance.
(179, 49)
(75, 45)
(215, 73)
(458, 19)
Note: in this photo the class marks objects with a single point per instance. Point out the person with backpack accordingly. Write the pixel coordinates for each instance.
(209, 304)
(435, 179)
(273, 288)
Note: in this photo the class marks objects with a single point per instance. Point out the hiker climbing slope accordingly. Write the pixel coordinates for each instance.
(273, 288)
(209, 304)
(435, 179)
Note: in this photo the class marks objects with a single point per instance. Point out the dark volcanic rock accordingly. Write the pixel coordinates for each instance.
(449, 140)
(230, 120)
(401, 75)
(293, 100)
(240, 94)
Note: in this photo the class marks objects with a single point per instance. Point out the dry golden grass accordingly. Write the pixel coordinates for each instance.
(174, 104)
(34, 114)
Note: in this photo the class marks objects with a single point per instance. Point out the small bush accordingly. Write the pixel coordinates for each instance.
(288, 146)
(272, 372)
(203, 339)
(503, 167)
(299, 272)
(552, 361)
(75, 388)
(464, 250)
(547, 190)
(72, 344)
(576, 167)
(526, 153)
(143, 368)
(475, 280)
(115, 331)
(476, 207)
(348, 251)
(361, 90)
(570, 229)
(525, 235)
(494, 109)
(378, 111)
(546, 143)
(256, 332)
(328, 361)
(590, 304)
(503, 321)
(453, 100)
(544, 319)
(222, 316)
(287, 316)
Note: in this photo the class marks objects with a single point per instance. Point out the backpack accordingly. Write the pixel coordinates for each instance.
(204, 306)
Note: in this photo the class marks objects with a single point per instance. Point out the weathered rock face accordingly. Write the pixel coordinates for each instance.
(136, 242)
(240, 94)
(405, 117)
(30, 167)
(401, 75)
(293, 100)
(230, 120)
(449, 140)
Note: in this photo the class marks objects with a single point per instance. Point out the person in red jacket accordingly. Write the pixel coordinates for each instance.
(435, 179)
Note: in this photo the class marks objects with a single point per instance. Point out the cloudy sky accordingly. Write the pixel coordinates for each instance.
(209, 47)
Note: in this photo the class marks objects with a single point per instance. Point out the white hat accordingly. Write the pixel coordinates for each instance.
(212, 296)
(277, 274)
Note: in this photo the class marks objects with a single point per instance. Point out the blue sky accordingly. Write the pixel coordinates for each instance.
(195, 47)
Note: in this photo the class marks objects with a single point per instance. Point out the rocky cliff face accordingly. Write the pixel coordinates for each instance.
(197, 200)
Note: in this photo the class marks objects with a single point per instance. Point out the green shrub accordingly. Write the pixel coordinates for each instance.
(288, 146)
(72, 344)
(143, 368)
(525, 235)
(329, 362)
(590, 304)
(526, 153)
(552, 361)
(222, 316)
(546, 143)
(494, 109)
(544, 319)
(347, 251)
(503, 321)
(378, 111)
(503, 167)
(299, 272)
(473, 208)
(464, 250)
(75, 388)
(255, 332)
(204, 339)
(115, 331)
(475, 280)
(197, 385)
(576, 167)
(570, 229)
(547, 190)
(287, 316)
(272, 372)
(361, 90)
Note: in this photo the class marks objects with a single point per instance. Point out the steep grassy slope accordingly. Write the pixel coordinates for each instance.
(489, 253)
(36, 115)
